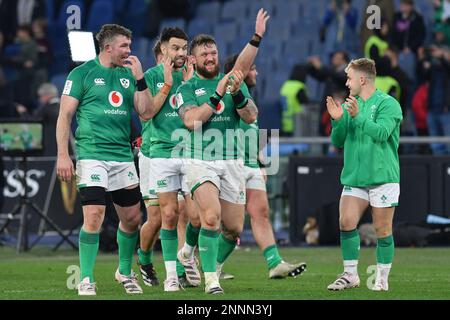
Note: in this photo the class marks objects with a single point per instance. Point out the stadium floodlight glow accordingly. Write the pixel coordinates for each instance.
(82, 46)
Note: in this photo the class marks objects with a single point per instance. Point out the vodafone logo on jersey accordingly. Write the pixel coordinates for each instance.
(173, 101)
(115, 98)
(220, 108)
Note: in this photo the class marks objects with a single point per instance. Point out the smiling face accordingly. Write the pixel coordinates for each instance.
(206, 57)
(119, 49)
(176, 50)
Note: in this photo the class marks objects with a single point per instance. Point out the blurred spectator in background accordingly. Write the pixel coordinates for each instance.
(342, 17)
(44, 51)
(387, 8)
(442, 17)
(293, 95)
(7, 21)
(408, 32)
(396, 72)
(24, 62)
(434, 66)
(378, 43)
(29, 10)
(48, 111)
(2, 74)
(334, 77)
(384, 80)
(420, 109)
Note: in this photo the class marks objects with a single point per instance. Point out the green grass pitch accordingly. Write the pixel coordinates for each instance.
(416, 274)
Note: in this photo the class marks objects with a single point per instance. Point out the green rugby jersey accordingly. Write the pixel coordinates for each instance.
(370, 142)
(106, 100)
(157, 133)
(250, 143)
(218, 139)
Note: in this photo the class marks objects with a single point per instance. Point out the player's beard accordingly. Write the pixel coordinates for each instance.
(119, 61)
(179, 62)
(208, 74)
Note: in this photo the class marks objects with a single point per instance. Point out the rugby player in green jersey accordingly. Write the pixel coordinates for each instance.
(367, 126)
(211, 105)
(165, 165)
(257, 204)
(102, 92)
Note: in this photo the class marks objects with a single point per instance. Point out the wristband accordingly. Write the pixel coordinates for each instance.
(214, 100)
(141, 84)
(256, 40)
(166, 89)
(239, 100)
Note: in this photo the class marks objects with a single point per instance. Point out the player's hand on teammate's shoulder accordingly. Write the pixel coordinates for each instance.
(135, 66)
(261, 22)
(334, 109)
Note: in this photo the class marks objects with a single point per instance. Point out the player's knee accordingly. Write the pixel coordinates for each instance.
(211, 219)
(258, 211)
(195, 222)
(169, 214)
(346, 223)
(93, 220)
(126, 197)
(383, 231)
(131, 221)
(232, 234)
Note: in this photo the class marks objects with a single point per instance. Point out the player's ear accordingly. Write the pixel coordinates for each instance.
(164, 48)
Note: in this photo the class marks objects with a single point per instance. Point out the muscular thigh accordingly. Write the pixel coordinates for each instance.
(351, 210)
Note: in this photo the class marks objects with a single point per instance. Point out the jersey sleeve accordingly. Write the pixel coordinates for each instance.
(74, 84)
(388, 118)
(339, 129)
(186, 96)
(151, 83)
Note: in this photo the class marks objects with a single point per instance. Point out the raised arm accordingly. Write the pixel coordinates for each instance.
(162, 94)
(248, 54)
(64, 165)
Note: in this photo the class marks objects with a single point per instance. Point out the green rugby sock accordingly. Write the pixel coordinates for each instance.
(88, 249)
(127, 244)
(272, 256)
(226, 247)
(208, 246)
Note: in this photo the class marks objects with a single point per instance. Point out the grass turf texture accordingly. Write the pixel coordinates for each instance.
(417, 274)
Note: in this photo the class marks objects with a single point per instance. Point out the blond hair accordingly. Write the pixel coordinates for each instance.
(363, 65)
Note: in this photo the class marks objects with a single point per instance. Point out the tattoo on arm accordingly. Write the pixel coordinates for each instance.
(249, 111)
